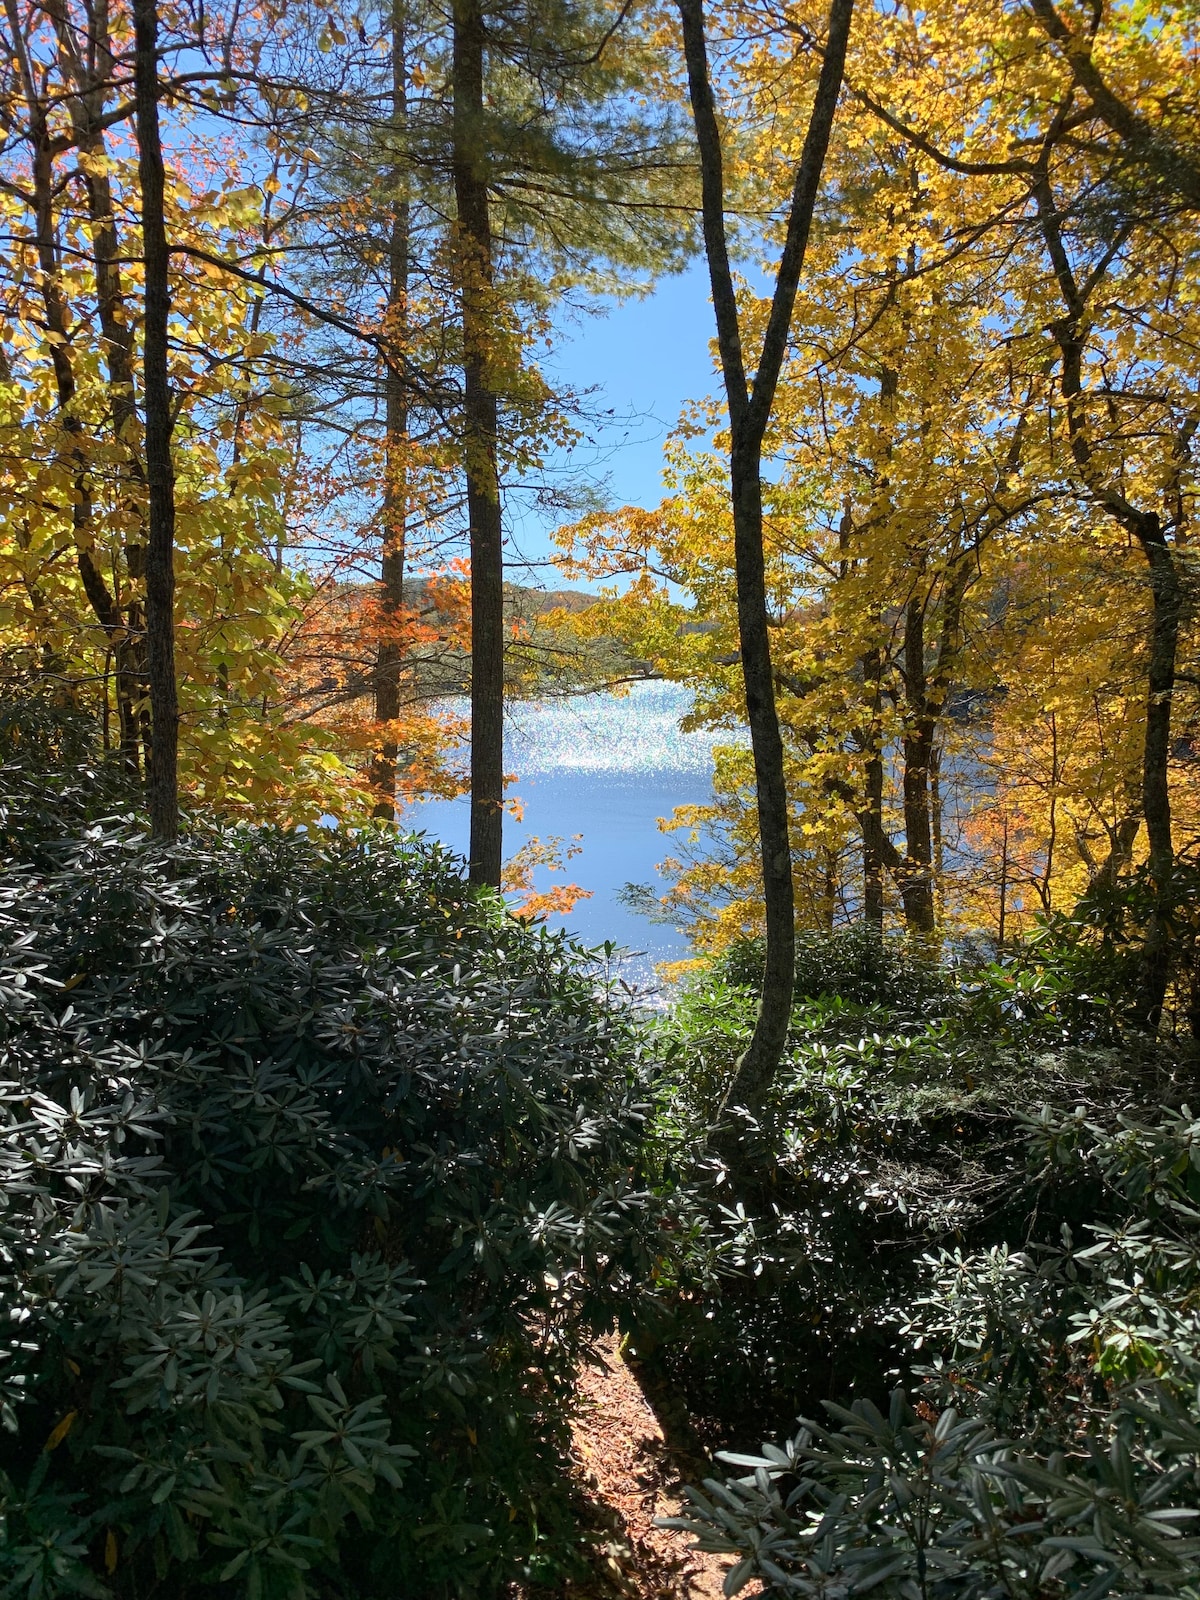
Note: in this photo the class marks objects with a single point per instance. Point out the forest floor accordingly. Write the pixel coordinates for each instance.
(627, 1476)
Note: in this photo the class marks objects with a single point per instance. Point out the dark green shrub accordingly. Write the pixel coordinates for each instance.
(315, 1167)
(860, 967)
(54, 776)
(885, 1136)
(904, 1505)
(1080, 973)
(1065, 985)
(1055, 1449)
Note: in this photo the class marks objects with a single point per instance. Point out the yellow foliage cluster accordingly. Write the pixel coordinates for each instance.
(993, 373)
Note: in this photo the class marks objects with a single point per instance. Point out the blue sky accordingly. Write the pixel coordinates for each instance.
(643, 360)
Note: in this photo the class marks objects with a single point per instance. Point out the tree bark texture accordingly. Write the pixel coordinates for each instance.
(1166, 592)
(480, 429)
(160, 540)
(749, 405)
(395, 489)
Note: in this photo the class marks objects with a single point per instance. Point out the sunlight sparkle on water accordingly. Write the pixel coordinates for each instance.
(627, 734)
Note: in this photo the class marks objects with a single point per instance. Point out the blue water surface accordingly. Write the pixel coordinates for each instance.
(607, 767)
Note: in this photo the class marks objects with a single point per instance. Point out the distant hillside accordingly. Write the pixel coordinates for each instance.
(538, 659)
(521, 600)
(538, 601)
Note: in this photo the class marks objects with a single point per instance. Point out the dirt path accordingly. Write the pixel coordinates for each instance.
(626, 1475)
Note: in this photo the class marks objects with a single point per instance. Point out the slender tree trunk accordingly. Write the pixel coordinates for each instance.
(160, 541)
(395, 489)
(871, 817)
(927, 694)
(870, 806)
(1166, 608)
(103, 602)
(93, 84)
(476, 268)
(1044, 887)
(749, 407)
(771, 1024)
(1001, 928)
(937, 817)
(878, 850)
(93, 71)
(829, 890)
(916, 884)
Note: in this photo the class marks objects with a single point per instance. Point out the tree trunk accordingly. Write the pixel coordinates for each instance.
(395, 489)
(749, 407)
(103, 602)
(160, 540)
(93, 80)
(770, 1033)
(1166, 608)
(476, 269)
(937, 816)
(1121, 841)
(871, 816)
(829, 890)
(877, 848)
(93, 70)
(1001, 928)
(916, 882)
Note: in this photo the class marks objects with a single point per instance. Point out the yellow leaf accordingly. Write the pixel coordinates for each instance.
(61, 1430)
(110, 1552)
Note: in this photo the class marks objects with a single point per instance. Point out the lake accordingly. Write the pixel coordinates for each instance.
(607, 767)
